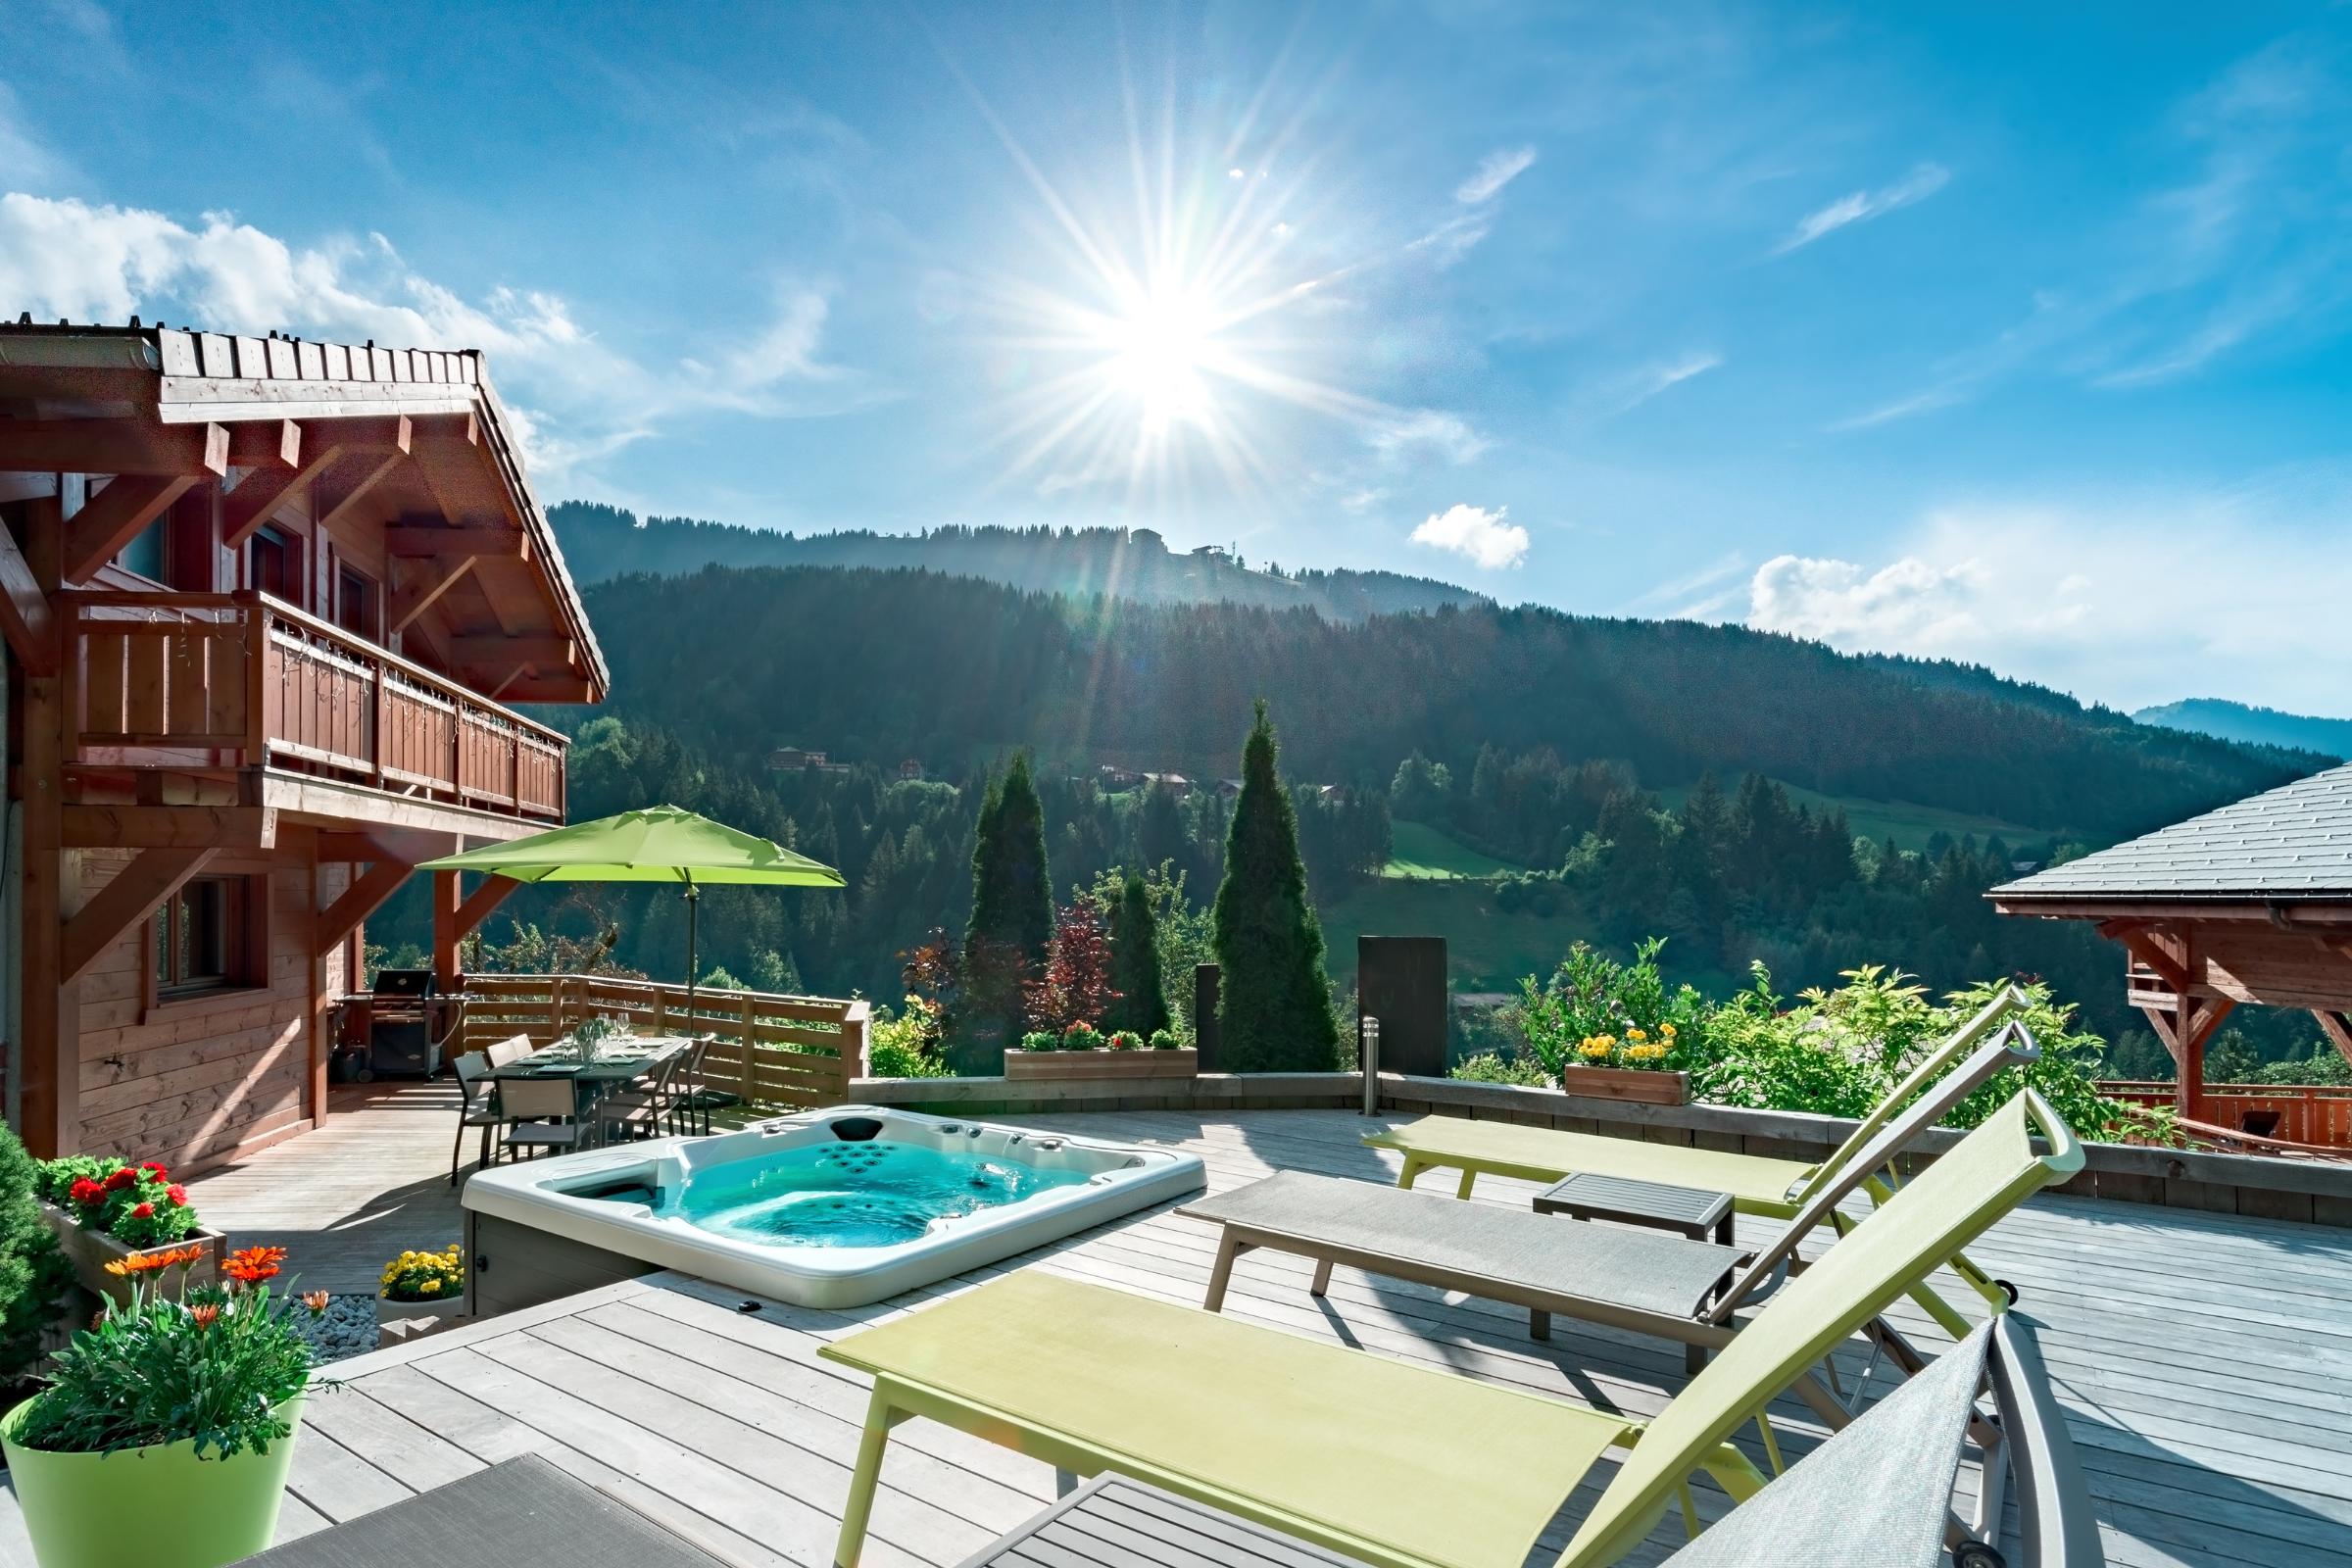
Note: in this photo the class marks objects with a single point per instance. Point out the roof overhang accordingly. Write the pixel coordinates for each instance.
(2299, 910)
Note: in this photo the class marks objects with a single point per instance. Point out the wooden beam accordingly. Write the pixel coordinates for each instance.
(446, 902)
(114, 446)
(25, 619)
(137, 891)
(264, 444)
(365, 479)
(49, 1051)
(2336, 1025)
(115, 516)
(169, 827)
(2143, 944)
(418, 597)
(364, 895)
(466, 543)
(479, 904)
(408, 846)
(540, 651)
(259, 494)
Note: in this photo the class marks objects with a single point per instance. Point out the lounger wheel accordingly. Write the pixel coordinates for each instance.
(1977, 1554)
(2008, 1289)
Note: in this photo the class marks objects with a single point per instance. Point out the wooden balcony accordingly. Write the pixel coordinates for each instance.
(206, 683)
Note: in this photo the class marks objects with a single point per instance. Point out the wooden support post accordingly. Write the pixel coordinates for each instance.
(2336, 1025)
(48, 1055)
(482, 901)
(446, 903)
(365, 894)
(25, 619)
(137, 891)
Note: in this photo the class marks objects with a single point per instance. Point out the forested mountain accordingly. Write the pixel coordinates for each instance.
(2254, 726)
(601, 542)
(876, 667)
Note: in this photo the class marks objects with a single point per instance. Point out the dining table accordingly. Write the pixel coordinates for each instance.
(613, 1063)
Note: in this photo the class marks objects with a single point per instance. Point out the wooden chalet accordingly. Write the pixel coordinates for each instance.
(264, 600)
(2248, 904)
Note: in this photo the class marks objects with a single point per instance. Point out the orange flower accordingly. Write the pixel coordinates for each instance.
(253, 1264)
(141, 1263)
(315, 1300)
(185, 1257)
(205, 1316)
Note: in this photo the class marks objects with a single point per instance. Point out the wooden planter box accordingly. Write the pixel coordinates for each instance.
(1629, 1084)
(89, 1251)
(1101, 1062)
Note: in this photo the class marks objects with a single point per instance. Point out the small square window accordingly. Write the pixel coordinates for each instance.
(203, 936)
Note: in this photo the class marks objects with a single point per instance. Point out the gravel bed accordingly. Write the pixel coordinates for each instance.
(346, 1328)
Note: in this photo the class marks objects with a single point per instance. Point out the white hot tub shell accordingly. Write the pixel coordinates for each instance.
(601, 1213)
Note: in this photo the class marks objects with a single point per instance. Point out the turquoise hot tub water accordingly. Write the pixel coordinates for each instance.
(872, 1194)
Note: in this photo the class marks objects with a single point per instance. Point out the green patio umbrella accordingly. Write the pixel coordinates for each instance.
(659, 844)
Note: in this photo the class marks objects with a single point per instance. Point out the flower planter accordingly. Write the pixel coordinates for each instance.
(159, 1506)
(1101, 1063)
(1634, 1085)
(399, 1311)
(90, 1251)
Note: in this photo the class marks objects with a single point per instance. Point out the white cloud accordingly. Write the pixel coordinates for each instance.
(1862, 205)
(576, 399)
(1494, 170)
(1481, 536)
(1419, 437)
(1621, 394)
(1452, 240)
(2128, 600)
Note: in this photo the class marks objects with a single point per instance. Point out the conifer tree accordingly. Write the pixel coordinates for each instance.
(1274, 1002)
(1142, 1003)
(1012, 901)
(34, 1273)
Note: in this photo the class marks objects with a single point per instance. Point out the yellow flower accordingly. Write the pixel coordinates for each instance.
(1667, 1029)
(430, 1286)
(1635, 1035)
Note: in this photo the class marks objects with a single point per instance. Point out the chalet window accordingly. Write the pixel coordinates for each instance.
(145, 554)
(273, 559)
(204, 936)
(354, 603)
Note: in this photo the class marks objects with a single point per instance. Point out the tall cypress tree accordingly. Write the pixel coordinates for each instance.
(1273, 1000)
(1142, 1003)
(1013, 899)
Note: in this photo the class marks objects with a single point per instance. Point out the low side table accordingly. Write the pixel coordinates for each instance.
(1692, 1211)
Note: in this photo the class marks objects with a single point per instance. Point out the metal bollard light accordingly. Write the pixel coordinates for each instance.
(1368, 1029)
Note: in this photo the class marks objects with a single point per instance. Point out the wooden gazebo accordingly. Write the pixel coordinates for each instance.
(2248, 904)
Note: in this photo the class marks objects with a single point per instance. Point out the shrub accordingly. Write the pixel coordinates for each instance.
(1124, 1040)
(905, 1045)
(1595, 1011)
(213, 1366)
(139, 1205)
(1041, 1039)
(1491, 1068)
(1165, 1040)
(34, 1273)
(1274, 1000)
(1139, 995)
(424, 1276)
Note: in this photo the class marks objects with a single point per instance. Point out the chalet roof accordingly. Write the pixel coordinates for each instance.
(194, 376)
(2291, 843)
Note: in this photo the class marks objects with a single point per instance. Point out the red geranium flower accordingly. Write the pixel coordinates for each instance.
(177, 1194)
(143, 1211)
(85, 1191)
(120, 1179)
(154, 1168)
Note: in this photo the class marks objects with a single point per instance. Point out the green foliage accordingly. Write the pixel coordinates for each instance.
(1274, 1002)
(1081, 1036)
(1141, 1001)
(2325, 1067)
(1593, 997)
(1183, 932)
(1164, 1039)
(1123, 1039)
(213, 1366)
(1041, 1039)
(1012, 898)
(1491, 1068)
(53, 1179)
(902, 1045)
(140, 1205)
(34, 1273)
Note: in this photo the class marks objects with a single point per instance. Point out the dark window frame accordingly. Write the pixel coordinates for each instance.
(209, 936)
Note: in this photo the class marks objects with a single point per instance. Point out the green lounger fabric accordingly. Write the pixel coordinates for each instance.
(1645, 1270)
(1374, 1451)
(1546, 1155)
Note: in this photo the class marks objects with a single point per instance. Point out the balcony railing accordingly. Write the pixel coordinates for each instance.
(199, 681)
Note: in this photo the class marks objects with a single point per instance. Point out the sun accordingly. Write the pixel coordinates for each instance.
(1162, 354)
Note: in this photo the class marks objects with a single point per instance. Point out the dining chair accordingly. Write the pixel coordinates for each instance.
(547, 1113)
(693, 1096)
(512, 1048)
(477, 1107)
(640, 1109)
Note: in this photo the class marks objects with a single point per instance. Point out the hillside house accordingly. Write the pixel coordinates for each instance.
(264, 602)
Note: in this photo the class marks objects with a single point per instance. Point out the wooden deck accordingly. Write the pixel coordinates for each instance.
(2205, 1361)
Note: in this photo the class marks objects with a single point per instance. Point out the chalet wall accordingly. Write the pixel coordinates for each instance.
(193, 1081)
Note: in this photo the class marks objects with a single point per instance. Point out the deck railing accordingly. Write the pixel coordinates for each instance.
(2313, 1114)
(790, 1052)
(241, 680)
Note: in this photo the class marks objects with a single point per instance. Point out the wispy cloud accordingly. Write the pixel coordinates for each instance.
(1857, 207)
(1494, 170)
(1423, 437)
(1678, 591)
(578, 400)
(1483, 538)
(1619, 394)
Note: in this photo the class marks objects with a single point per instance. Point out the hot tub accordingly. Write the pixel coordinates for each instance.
(827, 1208)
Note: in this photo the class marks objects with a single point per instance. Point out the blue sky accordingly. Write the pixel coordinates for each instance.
(2014, 334)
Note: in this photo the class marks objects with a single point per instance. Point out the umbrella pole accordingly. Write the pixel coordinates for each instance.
(694, 908)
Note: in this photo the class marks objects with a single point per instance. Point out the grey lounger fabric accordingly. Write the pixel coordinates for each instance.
(524, 1510)
(1420, 1235)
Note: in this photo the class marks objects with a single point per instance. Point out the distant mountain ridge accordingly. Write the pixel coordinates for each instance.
(601, 542)
(2254, 726)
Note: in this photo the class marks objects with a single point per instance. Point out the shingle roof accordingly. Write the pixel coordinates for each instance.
(2293, 842)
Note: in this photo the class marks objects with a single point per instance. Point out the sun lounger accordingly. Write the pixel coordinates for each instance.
(1643, 1281)
(1397, 1464)
(1878, 1492)
(1759, 1185)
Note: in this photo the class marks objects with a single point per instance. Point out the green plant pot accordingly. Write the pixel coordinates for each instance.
(159, 1506)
